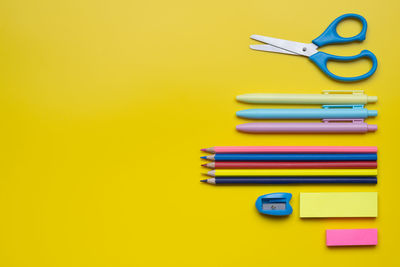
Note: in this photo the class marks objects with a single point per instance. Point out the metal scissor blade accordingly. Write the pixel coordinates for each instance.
(291, 46)
(270, 48)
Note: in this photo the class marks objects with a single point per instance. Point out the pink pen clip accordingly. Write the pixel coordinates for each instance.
(350, 125)
(343, 120)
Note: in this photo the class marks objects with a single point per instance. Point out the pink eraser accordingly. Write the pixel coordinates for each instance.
(351, 237)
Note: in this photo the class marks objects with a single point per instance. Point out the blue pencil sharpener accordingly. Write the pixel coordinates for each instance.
(276, 204)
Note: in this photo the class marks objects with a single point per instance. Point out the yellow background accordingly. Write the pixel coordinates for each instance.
(105, 105)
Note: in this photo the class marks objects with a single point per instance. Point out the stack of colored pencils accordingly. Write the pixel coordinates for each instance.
(291, 164)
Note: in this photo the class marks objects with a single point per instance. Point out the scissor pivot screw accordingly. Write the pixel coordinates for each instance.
(304, 49)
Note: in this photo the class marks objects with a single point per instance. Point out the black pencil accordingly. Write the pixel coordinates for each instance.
(291, 180)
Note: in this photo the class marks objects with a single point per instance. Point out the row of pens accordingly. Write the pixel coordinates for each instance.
(342, 111)
(291, 164)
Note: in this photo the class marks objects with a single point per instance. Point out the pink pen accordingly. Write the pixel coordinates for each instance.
(327, 126)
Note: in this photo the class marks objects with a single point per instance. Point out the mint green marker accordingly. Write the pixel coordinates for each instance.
(328, 97)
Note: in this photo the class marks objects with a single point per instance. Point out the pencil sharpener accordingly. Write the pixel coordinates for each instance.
(276, 204)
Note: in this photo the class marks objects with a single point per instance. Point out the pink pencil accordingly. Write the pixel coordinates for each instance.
(290, 149)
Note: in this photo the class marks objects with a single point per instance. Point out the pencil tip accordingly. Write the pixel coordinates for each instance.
(203, 149)
(204, 165)
(203, 181)
(204, 157)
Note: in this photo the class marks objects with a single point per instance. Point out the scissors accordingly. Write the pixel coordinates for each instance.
(329, 36)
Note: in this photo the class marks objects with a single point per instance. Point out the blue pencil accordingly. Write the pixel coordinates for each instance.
(292, 180)
(292, 157)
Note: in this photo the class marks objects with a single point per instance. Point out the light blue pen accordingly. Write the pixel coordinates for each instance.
(326, 112)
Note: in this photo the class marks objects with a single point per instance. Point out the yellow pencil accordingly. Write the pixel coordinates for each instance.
(292, 172)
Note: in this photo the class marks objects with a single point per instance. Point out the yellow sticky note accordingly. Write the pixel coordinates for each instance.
(344, 204)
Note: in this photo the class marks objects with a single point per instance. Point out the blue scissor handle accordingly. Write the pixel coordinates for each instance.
(321, 59)
(330, 35)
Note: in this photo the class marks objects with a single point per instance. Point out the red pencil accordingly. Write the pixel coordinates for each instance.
(290, 149)
(291, 165)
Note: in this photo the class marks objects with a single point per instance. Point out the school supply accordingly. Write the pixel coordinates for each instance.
(328, 97)
(343, 204)
(291, 165)
(290, 149)
(351, 237)
(327, 126)
(293, 157)
(291, 180)
(276, 204)
(310, 50)
(326, 112)
(292, 172)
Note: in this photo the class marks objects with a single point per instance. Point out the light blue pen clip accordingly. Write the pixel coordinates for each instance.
(326, 112)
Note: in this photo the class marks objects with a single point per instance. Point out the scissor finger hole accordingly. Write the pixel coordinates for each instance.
(350, 68)
(349, 27)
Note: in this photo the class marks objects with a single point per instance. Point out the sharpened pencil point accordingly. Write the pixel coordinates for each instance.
(204, 165)
(203, 149)
(203, 181)
(204, 157)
